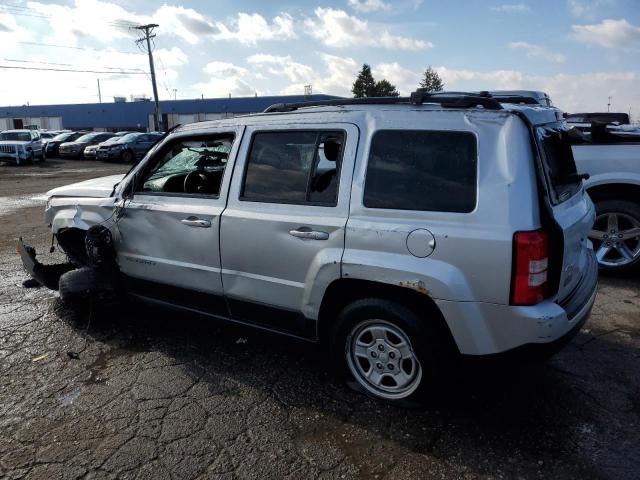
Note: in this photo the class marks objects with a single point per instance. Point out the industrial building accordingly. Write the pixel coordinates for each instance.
(138, 115)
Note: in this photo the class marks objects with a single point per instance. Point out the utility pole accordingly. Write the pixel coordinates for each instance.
(99, 94)
(148, 35)
(175, 93)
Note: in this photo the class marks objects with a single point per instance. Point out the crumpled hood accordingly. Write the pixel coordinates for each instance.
(96, 187)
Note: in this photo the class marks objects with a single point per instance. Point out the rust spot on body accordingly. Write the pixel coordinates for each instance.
(417, 285)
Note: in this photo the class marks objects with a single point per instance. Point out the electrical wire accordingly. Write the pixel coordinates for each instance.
(76, 48)
(113, 72)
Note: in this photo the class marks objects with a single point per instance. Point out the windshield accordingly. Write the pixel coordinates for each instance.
(129, 137)
(63, 136)
(87, 138)
(19, 136)
(111, 140)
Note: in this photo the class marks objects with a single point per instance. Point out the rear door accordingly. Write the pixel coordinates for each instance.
(284, 225)
(572, 208)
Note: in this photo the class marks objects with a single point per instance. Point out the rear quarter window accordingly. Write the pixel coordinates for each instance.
(422, 170)
(560, 167)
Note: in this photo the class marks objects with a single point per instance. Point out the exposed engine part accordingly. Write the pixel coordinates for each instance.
(99, 247)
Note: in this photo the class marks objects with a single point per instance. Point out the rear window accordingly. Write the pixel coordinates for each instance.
(422, 170)
(558, 162)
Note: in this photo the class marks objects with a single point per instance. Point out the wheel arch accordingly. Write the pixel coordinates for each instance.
(615, 191)
(344, 291)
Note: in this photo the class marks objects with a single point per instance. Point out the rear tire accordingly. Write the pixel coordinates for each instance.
(616, 235)
(389, 352)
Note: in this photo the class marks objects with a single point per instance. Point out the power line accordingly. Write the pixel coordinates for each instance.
(112, 72)
(37, 44)
(30, 12)
(69, 65)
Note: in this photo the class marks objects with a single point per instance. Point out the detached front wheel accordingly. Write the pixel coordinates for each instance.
(616, 235)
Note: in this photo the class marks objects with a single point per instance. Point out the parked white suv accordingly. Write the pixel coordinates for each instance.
(400, 231)
(21, 146)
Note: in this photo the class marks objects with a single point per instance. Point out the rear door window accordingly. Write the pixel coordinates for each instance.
(422, 170)
(296, 167)
(560, 167)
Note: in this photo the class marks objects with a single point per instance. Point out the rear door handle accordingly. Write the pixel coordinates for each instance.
(196, 222)
(306, 232)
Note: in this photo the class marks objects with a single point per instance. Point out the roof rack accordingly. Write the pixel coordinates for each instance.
(516, 99)
(420, 96)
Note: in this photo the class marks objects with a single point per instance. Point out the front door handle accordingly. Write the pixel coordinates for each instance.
(196, 222)
(306, 232)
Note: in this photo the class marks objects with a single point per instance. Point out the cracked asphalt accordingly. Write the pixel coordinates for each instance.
(153, 394)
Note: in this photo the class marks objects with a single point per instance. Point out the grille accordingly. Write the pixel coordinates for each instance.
(8, 148)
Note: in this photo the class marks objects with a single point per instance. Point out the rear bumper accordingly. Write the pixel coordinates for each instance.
(488, 328)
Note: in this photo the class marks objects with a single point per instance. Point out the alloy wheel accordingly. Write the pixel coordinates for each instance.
(616, 239)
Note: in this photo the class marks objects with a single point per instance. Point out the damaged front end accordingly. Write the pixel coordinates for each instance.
(81, 216)
(91, 272)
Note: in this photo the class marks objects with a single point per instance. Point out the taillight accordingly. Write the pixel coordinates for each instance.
(530, 263)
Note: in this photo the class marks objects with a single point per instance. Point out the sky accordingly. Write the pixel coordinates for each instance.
(581, 52)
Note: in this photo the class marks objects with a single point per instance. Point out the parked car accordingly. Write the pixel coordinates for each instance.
(53, 146)
(75, 148)
(23, 146)
(611, 155)
(91, 150)
(128, 148)
(402, 235)
(583, 121)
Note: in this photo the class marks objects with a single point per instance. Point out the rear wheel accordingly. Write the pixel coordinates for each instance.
(616, 235)
(390, 352)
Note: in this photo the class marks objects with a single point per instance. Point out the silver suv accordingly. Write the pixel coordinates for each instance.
(402, 232)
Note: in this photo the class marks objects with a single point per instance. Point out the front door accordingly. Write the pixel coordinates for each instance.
(168, 236)
(284, 225)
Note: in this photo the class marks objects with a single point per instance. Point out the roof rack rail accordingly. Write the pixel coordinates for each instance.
(516, 99)
(446, 99)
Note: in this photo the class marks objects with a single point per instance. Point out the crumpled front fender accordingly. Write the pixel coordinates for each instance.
(81, 213)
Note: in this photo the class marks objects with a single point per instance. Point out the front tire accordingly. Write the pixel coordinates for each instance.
(127, 156)
(388, 350)
(616, 235)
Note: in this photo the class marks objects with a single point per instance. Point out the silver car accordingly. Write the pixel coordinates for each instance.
(402, 232)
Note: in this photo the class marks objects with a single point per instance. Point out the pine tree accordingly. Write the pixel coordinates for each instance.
(431, 81)
(385, 89)
(365, 85)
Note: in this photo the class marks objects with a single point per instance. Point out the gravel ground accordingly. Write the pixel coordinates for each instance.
(145, 394)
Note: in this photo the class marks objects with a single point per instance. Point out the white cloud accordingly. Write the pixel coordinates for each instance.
(283, 65)
(336, 28)
(225, 79)
(538, 51)
(512, 8)
(337, 77)
(608, 33)
(248, 29)
(405, 80)
(586, 8)
(369, 5)
(571, 92)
